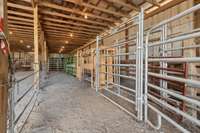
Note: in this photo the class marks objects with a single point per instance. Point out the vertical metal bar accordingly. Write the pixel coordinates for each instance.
(119, 69)
(18, 88)
(146, 80)
(12, 109)
(139, 67)
(107, 77)
(163, 53)
(97, 63)
(137, 73)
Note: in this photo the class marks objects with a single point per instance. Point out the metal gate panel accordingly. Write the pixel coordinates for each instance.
(166, 77)
(56, 64)
(120, 79)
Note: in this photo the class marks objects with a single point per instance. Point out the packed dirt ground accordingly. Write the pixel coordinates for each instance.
(66, 105)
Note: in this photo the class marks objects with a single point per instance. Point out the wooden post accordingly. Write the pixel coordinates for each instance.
(3, 73)
(36, 45)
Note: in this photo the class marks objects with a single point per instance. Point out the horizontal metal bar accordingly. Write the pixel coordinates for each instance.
(126, 99)
(187, 99)
(180, 15)
(181, 48)
(175, 39)
(118, 45)
(20, 98)
(119, 65)
(121, 54)
(168, 119)
(192, 119)
(124, 76)
(175, 60)
(122, 108)
(189, 82)
(123, 87)
(134, 20)
(29, 113)
(26, 77)
(20, 115)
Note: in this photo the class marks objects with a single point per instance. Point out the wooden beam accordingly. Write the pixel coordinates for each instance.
(153, 2)
(63, 39)
(19, 27)
(72, 23)
(22, 7)
(14, 29)
(36, 47)
(63, 35)
(21, 33)
(67, 30)
(120, 2)
(28, 15)
(97, 8)
(70, 27)
(3, 73)
(55, 6)
(19, 23)
(20, 19)
(74, 18)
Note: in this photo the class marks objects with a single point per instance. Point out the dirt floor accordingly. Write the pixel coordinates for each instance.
(67, 105)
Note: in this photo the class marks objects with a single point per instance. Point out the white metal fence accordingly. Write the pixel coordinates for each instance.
(168, 91)
(23, 96)
(112, 71)
(56, 64)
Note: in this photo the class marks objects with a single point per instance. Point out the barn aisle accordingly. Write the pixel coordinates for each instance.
(67, 105)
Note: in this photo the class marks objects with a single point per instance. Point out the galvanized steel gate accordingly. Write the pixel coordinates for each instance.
(113, 71)
(163, 90)
(167, 62)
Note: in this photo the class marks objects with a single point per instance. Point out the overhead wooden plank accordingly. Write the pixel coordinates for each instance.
(14, 29)
(19, 23)
(96, 8)
(74, 18)
(22, 7)
(72, 23)
(55, 6)
(71, 27)
(120, 2)
(67, 30)
(19, 26)
(20, 19)
(60, 33)
(64, 38)
(16, 32)
(28, 15)
(153, 2)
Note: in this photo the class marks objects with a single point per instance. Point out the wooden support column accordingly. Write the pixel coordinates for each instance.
(36, 44)
(3, 73)
(126, 50)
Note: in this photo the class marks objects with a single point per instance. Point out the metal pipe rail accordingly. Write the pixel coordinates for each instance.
(31, 93)
(109, 64)
(163, 87)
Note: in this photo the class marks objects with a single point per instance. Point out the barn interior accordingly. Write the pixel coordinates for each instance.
(99, 66)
